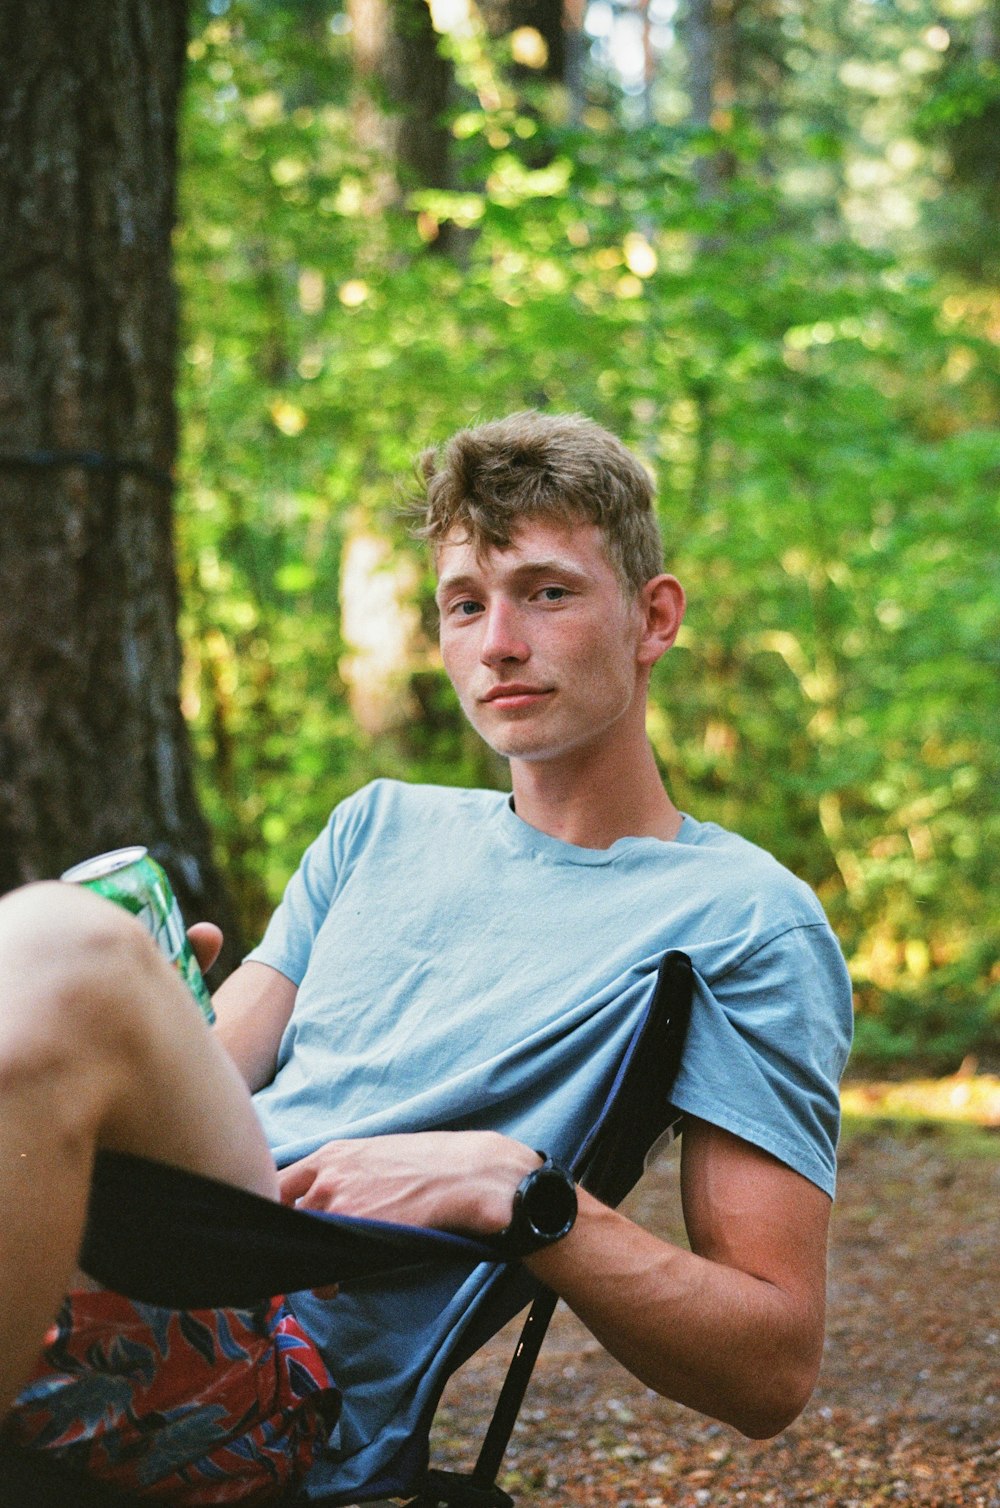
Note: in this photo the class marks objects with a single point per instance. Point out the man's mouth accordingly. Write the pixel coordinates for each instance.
(514, 694)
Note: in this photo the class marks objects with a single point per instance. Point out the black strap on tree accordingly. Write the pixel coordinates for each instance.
(85, 460)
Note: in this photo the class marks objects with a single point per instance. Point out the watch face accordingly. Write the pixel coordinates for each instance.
(550, 1203)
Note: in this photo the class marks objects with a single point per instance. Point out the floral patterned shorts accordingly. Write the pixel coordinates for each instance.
(189, 1406)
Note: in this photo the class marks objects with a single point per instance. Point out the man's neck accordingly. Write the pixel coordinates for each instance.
(585, 803)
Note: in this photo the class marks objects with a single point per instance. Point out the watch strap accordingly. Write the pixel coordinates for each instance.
(544, 1210)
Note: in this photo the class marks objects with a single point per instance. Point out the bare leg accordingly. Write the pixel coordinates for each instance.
(101, 1045)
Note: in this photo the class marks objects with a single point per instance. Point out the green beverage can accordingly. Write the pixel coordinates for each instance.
(130, 878)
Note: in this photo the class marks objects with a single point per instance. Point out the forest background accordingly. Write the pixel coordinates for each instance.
(755, 238)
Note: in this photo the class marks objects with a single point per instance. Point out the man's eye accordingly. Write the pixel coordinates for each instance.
(466, 607)
(553, 593)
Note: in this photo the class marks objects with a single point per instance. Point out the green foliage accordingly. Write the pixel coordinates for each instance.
(820, 416)
(960, 117)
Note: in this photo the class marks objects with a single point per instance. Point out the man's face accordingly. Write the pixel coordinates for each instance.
(539, 640)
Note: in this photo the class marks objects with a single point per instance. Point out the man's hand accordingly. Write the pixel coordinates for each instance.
(206, 940)
(462, 1181)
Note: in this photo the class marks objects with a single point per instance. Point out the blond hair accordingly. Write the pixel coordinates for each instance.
(489, 480)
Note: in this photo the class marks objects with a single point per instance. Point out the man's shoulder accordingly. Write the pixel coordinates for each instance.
(743, 874)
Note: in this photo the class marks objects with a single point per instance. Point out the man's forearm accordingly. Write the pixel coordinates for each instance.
(731, 1345)
(252, 1009)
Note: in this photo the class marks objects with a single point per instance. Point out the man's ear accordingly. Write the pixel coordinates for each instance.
(661, 603)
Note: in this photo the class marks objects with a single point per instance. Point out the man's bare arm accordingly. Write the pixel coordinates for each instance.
(733, 1328)
(252, 1009)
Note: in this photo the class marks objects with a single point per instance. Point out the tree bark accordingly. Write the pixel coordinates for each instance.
(406, 86)
(94, 752)
(709, 34)
(547, 17)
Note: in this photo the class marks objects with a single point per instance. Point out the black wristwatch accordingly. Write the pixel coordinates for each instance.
(544, 1210)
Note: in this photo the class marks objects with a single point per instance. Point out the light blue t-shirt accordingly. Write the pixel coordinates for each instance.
(459, 969)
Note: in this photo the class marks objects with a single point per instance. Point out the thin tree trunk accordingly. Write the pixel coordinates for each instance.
(574, 14)
(710, 39)
(547, 17)
(698, 33)
(94, 752)
(405, 90)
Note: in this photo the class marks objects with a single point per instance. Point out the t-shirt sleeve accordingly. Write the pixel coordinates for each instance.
(288, 940)
(766, 1047)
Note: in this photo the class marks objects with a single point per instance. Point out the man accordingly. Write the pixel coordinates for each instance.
(452, 975)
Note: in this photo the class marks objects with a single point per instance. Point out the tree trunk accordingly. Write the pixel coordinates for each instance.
(709, 34)
(405, 89)
(972, 137)
(575, 43)
(94, 752)
(544, 16)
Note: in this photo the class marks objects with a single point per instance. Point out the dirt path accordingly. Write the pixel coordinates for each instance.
(907, 1410)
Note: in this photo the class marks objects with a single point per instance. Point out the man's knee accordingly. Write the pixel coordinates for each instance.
(68, 949)
(48, 915)
(71, 964)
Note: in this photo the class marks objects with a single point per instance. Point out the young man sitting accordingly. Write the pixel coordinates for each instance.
(447, 985)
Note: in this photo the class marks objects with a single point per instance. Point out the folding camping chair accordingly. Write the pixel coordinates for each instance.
(204, 1262)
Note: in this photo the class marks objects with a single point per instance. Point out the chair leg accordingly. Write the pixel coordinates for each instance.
(453, 1489)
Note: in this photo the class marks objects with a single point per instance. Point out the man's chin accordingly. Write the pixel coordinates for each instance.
(526, 750)
(509, 746)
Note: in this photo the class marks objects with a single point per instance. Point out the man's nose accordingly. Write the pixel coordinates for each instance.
(503, 637)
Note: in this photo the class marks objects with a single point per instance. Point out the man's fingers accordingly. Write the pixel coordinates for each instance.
(206, 940)
(292, 1181)
(295, 1181)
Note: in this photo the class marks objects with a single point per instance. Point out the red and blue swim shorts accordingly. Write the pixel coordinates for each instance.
(191, 1407)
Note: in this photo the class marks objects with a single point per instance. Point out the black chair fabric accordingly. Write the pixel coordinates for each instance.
(229, 1248)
